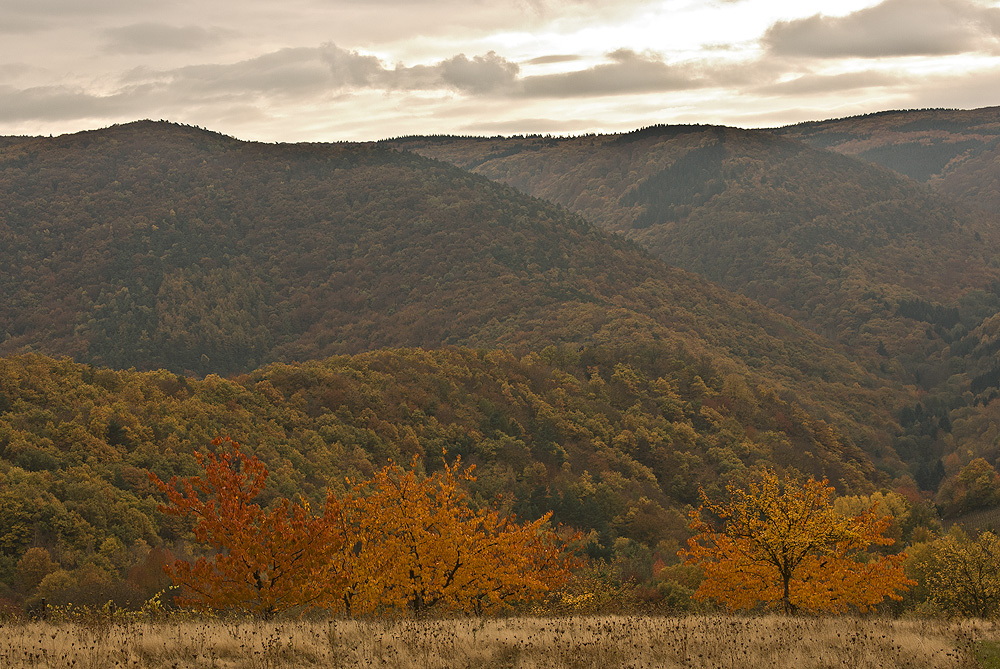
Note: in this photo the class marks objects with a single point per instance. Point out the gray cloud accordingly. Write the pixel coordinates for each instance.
(330, 68)
(157, 37)
(547, 60)
(892, 28)
(54, 8)
(295, 73)
(57, 103)
(17, 25)
(14, 69)
(350, 68)
(628, 72)
(480, 74)
(28, 16)
(476, 76)
(65, 6)
(310, 74)
(281, 73)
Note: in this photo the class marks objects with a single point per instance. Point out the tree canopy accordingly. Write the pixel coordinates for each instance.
(782, 543)
(264, 560)
(401, 541)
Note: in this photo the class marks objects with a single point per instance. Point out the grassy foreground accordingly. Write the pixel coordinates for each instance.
(604, 641)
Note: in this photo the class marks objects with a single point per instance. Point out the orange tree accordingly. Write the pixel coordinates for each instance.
(780, 542)
(412, 542)
(265, 560)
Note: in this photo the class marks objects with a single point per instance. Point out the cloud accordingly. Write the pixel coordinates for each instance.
(350, 68)
(66, 6)
(28, 16)
(293, 71)
(319, 75)
(303, 73)
(892, 28)
(628, 72)
(479, 74)
(547, 60)
(56, 103)
(329, 68)
(143, 38)
(14, 25)
(813, 84)
(10, 70)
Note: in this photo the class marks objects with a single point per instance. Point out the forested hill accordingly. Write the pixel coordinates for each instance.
(956, 151)
(615, 451)
(535, 426)
(903, 277)
(842, 246)
(152, 245)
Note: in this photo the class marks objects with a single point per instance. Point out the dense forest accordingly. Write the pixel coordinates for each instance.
(955, 151)
(614, 451)
(157, 246)
(835, 243)
(901, 275)
(336, 306)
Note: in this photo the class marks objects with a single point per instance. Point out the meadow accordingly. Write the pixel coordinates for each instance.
(517, 642)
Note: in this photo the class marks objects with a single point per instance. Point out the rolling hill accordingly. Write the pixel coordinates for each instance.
(152, 245)
(368, 303)
(842, 246)
(613, 451)
(901, 277)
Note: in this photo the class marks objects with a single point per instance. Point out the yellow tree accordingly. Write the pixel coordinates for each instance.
(780, 542)
(413, 542)
(963, 574)
(265, 560)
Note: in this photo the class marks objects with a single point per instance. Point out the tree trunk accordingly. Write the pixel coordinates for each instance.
(786, 599)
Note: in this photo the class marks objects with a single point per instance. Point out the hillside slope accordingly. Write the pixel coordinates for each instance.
(956, 152)
(903, 278)
(613, 451)
(158, 246)
(882, 265)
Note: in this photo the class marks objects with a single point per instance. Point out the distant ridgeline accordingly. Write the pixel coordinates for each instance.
(955, 151)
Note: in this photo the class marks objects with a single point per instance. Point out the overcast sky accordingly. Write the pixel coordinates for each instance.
(327, 70)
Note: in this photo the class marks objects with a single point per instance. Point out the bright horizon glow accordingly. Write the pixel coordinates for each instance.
(331, 70)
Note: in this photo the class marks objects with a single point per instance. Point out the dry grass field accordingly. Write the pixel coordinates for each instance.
(601, 641)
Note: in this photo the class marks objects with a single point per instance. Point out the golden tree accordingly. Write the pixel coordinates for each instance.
(265, 560)
(413, 542)
(781, 543)
(963, 574)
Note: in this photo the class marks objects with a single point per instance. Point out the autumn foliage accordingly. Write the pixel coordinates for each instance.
(402, 541)
(782, 544)
(265, 560)
(963, 573)
(413, 542)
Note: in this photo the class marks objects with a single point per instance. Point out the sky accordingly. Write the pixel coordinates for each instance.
(336, 70)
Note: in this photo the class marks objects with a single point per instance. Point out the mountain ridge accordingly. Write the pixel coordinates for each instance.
(773, 219)
(954, 151)
(152, 245)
